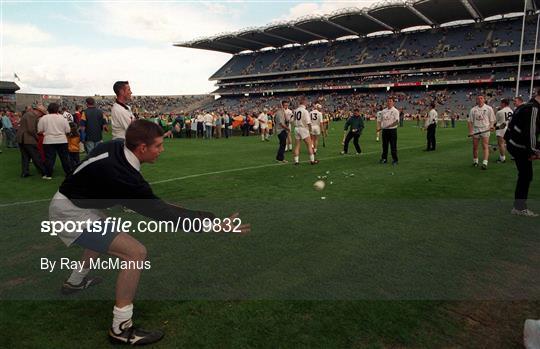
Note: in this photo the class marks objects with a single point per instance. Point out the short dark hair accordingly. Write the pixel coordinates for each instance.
(505, 101)
(432, 104)
(356, 110)
(284, 101)
(142, 132)
(519, 98)
(118, 86)
(90, 101)
(53, 108)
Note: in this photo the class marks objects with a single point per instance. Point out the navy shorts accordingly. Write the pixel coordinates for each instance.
(95, 240)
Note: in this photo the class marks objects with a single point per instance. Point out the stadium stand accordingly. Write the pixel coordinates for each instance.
(356, 57)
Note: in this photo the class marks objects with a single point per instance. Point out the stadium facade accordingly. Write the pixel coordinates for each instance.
(420, 50)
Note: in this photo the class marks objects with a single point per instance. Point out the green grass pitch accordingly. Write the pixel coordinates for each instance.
(421, 255)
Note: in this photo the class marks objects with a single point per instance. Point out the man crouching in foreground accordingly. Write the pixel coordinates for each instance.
(111, 176)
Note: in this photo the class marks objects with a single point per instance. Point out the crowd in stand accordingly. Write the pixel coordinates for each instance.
(472, 39)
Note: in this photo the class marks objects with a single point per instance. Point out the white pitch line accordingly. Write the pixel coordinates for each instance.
(222, 171)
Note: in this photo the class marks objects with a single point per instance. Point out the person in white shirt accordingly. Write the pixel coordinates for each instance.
(121, 113)
(208, 124)
(55, 128)
(431, 127)
(378, 116)
(502, 118)
(480, 122)
(302, 131)
(288, 117)
(388, 124)
(263, 124)
(67, 115)
(316, 120)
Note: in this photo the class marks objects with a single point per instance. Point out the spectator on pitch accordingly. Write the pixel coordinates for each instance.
(78, 114)
(67, 115)
(288, 123)
(352, 130)
(245, 126)
(480, 122)
(92, 125)
(218, 122)
(200, 125)
(55, 129)
(194, 127)
(113, 172)
(262, 119)
(388, 126)
(27, 138)
(502, 118)
(378, 118)
(316, 120)
(431, 127)
(74, 143)
(8, 131)
(121, 113)
(227, 125)
(208, 125)
(522, 141)
(302, 131)
(282, 130)
(518, 102)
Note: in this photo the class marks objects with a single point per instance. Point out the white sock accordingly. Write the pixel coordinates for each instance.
(475, 161)
(120, 315)
(503, 157)
(315, 150)
(296, 158)
(485, 162)
(77, 276)
(311, 157)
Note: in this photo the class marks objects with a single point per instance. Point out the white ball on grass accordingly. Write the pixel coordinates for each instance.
(319, 185)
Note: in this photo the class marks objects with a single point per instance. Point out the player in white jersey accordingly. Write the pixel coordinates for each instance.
(316, 120)
(502, 118)
(302, 131)
(263, 124)
(379, 116)
(288, 118)
(481, 121)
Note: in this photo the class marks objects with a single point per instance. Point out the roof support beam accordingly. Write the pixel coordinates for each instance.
(254, 41)
(367, 15)
(310, 33)
(421, 15)
(280, 37)
(226, 44)
(473, 10)
(341, 27)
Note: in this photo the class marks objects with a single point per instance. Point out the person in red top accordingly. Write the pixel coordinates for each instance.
(78, 114)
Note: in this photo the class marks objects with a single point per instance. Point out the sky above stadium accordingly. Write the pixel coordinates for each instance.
(81, 48)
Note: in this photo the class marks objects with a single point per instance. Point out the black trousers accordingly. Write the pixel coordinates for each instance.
(282, 136)
(525, 176)
(389, 137)
(355, 136)
(431, 142)
(30, 151)
(50, 157)
(74, 159)
(200, 129)
(245, 129)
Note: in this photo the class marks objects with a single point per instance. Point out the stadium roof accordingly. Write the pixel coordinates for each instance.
(387, 16)
(8, 87)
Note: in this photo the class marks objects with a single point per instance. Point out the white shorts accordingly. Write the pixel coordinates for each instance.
(301, 133)
(262, 126)
(315, 130)
(486, 134)
(500, 133)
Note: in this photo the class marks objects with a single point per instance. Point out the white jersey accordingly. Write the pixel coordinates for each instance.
(263, 118)
(482, 118)
(432, 118)
(316, 117)
(379, 116)
(503, 116)
(68, 116)
(122, 117)
(301, 117)
(288, 116)
(388, 117)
